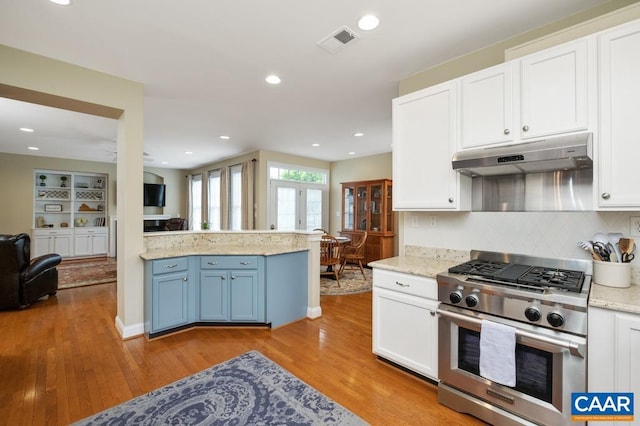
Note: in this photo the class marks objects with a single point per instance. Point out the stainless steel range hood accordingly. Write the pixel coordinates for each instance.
(571, 152)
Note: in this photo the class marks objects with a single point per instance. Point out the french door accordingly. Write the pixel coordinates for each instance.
(298, 206)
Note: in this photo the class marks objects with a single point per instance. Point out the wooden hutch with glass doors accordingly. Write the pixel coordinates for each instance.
(366, 206)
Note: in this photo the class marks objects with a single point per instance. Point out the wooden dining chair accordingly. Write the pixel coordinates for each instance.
(354, 254)
(330, 256)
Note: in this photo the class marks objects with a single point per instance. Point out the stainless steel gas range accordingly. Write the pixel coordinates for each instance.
(541, 304)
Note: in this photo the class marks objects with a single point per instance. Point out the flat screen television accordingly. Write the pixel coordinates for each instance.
(154, 195)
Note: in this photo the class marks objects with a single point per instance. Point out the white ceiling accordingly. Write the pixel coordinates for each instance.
(203, 64)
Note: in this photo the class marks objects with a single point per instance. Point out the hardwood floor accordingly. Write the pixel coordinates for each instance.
(62, 360)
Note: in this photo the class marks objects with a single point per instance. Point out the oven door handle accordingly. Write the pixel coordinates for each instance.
(575, 349)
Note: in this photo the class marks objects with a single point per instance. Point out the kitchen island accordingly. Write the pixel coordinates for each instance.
(258, 278)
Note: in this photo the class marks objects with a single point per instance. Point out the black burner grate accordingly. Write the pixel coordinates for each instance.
(522, 274)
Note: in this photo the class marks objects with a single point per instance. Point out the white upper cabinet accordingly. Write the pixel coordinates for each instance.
(554, 90)
(619, 77)
(542, 94)
(487, 106)
(425, 132)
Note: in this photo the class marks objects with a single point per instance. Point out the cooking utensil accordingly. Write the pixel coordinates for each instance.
(601, 250)
(613, 255)
(613, 238)
(627, 247)
(589, 247)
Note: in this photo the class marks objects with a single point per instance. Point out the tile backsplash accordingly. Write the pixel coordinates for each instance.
(544, 234)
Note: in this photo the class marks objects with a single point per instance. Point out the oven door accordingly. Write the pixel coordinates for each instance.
(550, 365)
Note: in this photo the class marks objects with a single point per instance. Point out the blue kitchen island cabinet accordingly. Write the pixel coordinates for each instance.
(287, 287)
(262, 290)
(232, 289)
(167, 303)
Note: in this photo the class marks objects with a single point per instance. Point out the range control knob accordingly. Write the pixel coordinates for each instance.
(532, 314)
(471, 300)
(455, 297)
(555, 319)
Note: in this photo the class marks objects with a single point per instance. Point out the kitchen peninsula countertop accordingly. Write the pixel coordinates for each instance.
(617, 299)
(220, 249)
(159, 245)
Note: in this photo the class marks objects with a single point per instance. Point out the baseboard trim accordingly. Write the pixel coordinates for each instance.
(129, 331)
(314, 313)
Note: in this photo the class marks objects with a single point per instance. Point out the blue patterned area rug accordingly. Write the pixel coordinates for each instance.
(247, 390)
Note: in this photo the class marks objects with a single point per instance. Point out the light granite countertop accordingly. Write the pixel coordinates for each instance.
(221, 249)
(430, 262)
(617, 299)
(414, 265)
(159, 245)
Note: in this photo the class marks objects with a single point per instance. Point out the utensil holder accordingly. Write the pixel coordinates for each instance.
(612, 274)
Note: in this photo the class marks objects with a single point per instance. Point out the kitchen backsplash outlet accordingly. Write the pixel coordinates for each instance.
(634, 226)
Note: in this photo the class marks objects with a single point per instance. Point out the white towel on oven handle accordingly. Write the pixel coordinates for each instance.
(498, 353)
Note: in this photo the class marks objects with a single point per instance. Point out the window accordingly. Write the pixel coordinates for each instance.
(297, 175)
(195, 202)
(298, 198)
(235, 198)
(214, 210)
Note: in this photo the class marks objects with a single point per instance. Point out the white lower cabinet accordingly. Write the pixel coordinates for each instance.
(614, 344)
(46, 241)
(90, 242)
(70, 242)
(405, 324)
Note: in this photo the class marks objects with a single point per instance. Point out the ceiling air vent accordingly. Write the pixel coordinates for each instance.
(338, 39)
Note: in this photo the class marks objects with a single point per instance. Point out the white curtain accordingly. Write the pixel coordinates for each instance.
(224, 198)
(189, 202)
(247, 194)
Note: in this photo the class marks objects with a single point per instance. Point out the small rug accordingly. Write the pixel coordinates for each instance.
(248, 389)
(77, 273)
(351, 282)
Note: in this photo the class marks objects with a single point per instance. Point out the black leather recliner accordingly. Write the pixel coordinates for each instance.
(22, 281)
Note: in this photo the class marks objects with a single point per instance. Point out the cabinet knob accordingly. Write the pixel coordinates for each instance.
(212, 263)
(233, 277)
(606, 195)
(171, 266)
(433, 313)
(245, 263)
(525, 128)
(451, 199)
(185, 279)
(401, 284)
(222, 277)
(507, 131)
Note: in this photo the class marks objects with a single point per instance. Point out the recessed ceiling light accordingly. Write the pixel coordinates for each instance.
(33, 148)
(225, 137)
(26, 129)
(164, 162)
(272, 79)
(358, 134)
(188, 152)
(352, 153)
(61, 2)
(315, 144)
(368, 22)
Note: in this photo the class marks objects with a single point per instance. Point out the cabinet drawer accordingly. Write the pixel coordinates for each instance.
(406, 283)
(174, 264)
(90, 231)
(228, 262)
